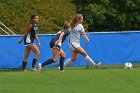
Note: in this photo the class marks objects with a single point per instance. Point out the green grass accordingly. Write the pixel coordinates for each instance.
(72, 81)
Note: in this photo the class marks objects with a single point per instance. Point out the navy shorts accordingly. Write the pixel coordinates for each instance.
(52, 45)
(28, 41)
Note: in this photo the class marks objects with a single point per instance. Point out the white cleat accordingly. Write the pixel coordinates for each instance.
(34, 69)
(98, 65)
(39, 67)
(59, 67)
(61, 70)
(24, 70)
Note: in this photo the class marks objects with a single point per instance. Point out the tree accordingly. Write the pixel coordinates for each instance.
(52, 14)
(110, 15)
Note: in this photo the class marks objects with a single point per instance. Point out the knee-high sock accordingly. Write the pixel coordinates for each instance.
(68, 61)
(62, 63)
(89, 60)
(50, 61)
(24, 65)
(34, 63)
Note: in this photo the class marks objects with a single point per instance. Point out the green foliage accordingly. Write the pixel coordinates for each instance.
(52, 13)
(100, 15)
(110, 15)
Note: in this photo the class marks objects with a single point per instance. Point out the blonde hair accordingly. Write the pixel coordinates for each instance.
(75, 20)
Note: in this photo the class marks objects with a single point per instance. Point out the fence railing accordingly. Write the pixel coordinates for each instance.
(5, 29)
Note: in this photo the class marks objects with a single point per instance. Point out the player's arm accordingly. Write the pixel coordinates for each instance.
(60, 38)
(25, 33)
(85, 36)
(36, 37)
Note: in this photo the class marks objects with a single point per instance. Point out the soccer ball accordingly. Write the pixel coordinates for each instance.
(128, 65)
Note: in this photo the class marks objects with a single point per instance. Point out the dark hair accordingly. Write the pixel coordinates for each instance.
(65, 25)
(33, 16)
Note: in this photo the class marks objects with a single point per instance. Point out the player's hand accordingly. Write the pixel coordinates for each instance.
(19, 41)
(87, 40)
(39, 45)
(56, 42)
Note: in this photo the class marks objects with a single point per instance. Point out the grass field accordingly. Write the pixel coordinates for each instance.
(72, 81)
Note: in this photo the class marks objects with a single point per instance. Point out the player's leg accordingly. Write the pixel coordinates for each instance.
(83, 52)
(56, 54)
(72, 59)
(62, 54)
(37, 53)
(26, 55)
(74, 56)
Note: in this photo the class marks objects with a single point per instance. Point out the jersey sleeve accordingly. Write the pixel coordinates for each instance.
(81, 28)
(66, 32)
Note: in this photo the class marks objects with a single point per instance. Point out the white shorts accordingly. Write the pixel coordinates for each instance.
(74, 45)
(29, 44)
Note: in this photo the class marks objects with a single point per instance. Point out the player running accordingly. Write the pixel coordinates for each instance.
(74, 40)
(55, 45)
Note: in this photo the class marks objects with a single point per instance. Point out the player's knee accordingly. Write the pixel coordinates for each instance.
(63, 55)
(55, 59)
(73, 59)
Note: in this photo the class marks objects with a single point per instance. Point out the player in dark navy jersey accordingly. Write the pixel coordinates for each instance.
(55, 45)
(28, 37)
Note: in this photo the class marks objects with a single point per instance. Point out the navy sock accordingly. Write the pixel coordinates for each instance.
(50, 61)
(62, 63)
(34, 63)
(24, 65)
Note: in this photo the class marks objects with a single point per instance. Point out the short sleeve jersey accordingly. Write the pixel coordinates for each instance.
(75, 33)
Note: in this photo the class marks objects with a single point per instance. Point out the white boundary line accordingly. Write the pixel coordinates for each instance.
(137, 31)
(113, 32)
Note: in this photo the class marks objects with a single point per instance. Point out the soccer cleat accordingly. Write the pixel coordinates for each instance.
(39, 67)
(97, 65)
(34, 69)
(62, 70)
(59, 67)
(24, 70)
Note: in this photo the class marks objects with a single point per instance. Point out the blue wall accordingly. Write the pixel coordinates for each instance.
(109, 48)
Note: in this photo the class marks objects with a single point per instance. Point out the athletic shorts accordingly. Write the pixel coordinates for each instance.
(29, 44)
(28, 41)
(73, 45)
(52, 45)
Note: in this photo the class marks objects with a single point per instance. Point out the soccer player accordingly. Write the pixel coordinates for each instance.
(55, 45)
(28, 37)
(74, 40)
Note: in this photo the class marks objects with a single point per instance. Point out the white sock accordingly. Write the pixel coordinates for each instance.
(68, 61)
(89, 60)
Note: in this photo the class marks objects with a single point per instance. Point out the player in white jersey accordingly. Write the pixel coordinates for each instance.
(74, 40)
